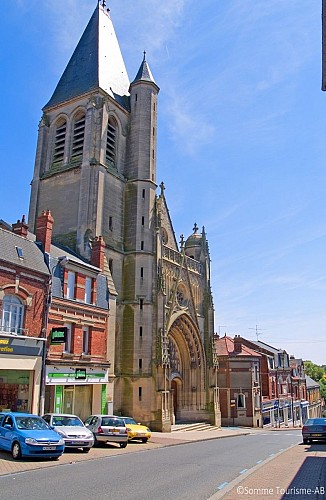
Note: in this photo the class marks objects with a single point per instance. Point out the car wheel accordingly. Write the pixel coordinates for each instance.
(144, 440)
(16, 451)
(85, 450)
(123, 445)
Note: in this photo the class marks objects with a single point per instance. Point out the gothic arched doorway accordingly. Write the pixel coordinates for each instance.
(187, 365)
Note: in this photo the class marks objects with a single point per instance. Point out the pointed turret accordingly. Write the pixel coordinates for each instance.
(96, 63)
(144, 73)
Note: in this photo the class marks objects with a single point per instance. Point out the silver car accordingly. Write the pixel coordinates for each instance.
(107, 429)
(72, 429)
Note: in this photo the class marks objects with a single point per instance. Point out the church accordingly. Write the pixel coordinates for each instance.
(95, 170)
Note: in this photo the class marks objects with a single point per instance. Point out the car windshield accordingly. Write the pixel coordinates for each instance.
(130, 421)
(115, 422)
(31, 423)
(67, 421)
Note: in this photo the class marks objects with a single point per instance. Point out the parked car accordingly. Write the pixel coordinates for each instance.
(314, 429)
(136, 431)
(107, 429)
(26, 435)
(72, 429)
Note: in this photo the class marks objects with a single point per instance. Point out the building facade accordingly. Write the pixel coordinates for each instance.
(24, 288)
(239, 382)
(78, 375)
(97, 149)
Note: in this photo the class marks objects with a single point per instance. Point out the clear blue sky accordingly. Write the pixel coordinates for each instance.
(241, 140)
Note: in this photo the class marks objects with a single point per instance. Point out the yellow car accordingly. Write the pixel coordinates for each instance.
(136, 431)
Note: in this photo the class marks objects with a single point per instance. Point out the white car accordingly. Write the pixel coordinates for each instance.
(108, 429)
(72, 429)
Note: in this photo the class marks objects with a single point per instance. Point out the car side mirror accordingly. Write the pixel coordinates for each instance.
(8, 426)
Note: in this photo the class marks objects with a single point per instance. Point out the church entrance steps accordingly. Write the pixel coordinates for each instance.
(197, 426)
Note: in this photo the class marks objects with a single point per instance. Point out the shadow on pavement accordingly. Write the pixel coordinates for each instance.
(310, 480)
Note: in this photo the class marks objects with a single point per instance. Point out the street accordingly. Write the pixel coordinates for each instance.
(193, 471)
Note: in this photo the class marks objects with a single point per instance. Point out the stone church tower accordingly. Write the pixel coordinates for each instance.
(95, 170)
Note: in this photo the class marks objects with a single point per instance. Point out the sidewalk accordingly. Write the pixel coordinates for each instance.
(297, 473)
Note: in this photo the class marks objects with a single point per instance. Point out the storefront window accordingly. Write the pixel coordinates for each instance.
(15, 390)
(12, 315)
(74, 399)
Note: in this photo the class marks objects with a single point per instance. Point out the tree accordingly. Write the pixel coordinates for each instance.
(317, 373)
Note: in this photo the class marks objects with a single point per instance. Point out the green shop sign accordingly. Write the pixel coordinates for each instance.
(78, 374)
(59, 335)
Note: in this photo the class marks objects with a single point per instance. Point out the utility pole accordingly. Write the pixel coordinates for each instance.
(219, 329)
(257, 330)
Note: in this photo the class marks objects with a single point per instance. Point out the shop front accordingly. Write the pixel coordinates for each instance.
(79, 390)
(20, 373)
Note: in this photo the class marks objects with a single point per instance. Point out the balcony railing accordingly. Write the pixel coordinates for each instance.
(9, 330)
(176, 257)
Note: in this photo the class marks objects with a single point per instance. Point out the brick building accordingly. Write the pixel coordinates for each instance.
(80, 348)
(239, 382)
(24, 289)
(315, 409)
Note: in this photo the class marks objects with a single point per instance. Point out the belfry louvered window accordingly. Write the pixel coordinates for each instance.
(111, 137)
(78, 138)
(59, 142)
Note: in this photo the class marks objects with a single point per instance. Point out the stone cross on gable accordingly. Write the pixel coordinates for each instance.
(162, 188)
(195, 228)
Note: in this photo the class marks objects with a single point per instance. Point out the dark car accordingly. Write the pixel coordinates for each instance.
(26, 435)
(314, 429)
(107, 429)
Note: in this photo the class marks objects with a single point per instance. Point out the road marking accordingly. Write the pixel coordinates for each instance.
(244, 470)
(222, 485)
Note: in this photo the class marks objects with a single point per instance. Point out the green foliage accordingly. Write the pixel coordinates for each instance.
(317, 373)
(322, 383)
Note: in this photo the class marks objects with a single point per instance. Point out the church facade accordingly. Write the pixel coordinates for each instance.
(95, 170)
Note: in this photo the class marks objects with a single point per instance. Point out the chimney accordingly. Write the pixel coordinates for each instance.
(97, 257)
(237, 344)
(44, 225)
(20, 227)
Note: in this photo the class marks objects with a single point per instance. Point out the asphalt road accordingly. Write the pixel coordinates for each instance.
(193, 471)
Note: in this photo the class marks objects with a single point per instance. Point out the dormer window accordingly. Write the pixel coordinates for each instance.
(111, 137)
(20, 253)
(59, 142)
(78, 138)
